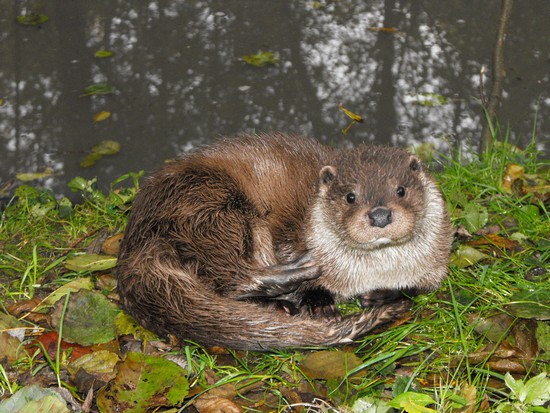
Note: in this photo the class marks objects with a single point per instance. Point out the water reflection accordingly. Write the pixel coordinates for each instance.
(179, 80)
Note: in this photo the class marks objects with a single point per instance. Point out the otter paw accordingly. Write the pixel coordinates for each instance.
(381, 297)
(278, 280)
(319, 303)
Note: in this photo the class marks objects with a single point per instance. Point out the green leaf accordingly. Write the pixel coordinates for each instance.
(78, 184)
(91, 262)
(537, 390)
(531, 303)
(103, 148)
(32, 19)
(429, 99)
(102, 54)
(143, 383)
(106, 147)
(89, 319)
(465, 256)
(475, 216)
(261, 59)
(34, 399)
(98, 89)
(370, 405)
(98, 363)
(73, 286)
(413, 402)
(127, 325)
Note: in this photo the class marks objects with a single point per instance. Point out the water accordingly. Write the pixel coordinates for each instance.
(179, 80)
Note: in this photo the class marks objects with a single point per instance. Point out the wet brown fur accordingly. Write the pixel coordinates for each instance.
(206, 229)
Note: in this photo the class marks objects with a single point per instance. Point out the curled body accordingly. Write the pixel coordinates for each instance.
(248, 242)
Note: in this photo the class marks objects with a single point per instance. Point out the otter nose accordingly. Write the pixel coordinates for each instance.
(380, 217)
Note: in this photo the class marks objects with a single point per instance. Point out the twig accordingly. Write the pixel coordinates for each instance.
(78, 241)
(499, 74)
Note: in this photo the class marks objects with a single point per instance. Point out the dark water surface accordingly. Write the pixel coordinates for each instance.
(179, 80)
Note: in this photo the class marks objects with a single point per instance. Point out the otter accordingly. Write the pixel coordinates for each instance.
(249, 242)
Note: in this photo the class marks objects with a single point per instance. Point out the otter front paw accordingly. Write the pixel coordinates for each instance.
(279, 280)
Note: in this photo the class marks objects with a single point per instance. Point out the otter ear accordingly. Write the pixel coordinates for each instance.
(327, 174)
(414, 163)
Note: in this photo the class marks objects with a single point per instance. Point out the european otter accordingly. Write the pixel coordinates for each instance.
(221, 238)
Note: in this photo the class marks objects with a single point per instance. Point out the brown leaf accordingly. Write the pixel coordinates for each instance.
(216, 405)
(8, 347)
(507, 365)
(498, 241)
(218, 400)
(525, 335)
(494, 327)
(111, 246)
(20, 308)
(330, 364)
(469, 392)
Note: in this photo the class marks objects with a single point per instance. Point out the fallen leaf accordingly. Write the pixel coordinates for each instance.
(103, 54)
(34, 399)
(428, 99)
(330, 364)
(106, 147)
(474, 216)
(218, 399)
(89, 318)
(261, 59)
(531, 303)
(466, 256)
(111, 246)
(498, 242)
(101, 116)
(100, 364)
(355, 117)
(126, 324)
(72, 286)
(142, 383)
(370, 404)
(98, 89)
(90, 262)
(216, 405)
(8, 347)
(512, 173)
(32, 19)
(50, 342)
(493, 328)
(469, 393)
(33, 176)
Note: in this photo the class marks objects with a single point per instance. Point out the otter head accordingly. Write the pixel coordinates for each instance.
(372, 197)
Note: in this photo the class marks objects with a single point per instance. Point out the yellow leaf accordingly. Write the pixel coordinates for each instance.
(355, 117)
(102, 116)
(32, 176)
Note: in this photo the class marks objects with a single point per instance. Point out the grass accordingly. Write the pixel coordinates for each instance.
(447, 351)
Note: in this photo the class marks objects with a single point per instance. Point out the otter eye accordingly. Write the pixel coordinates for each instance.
(400, 191)
(350, 198)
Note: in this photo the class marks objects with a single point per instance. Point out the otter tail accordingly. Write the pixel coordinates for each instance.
(168, 298)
